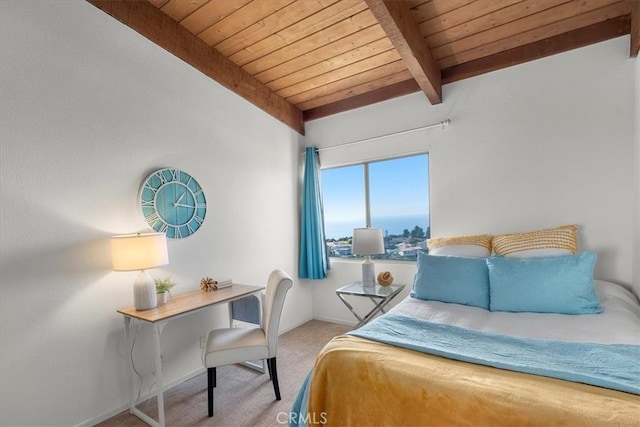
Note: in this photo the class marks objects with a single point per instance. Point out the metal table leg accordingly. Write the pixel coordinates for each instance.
(350, 307)
(379, 305)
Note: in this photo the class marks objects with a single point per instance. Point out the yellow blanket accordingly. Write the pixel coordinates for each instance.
(357, 382)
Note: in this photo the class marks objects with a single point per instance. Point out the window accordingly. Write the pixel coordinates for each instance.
(390, 194)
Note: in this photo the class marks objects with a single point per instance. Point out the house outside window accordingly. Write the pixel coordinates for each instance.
(390, 194)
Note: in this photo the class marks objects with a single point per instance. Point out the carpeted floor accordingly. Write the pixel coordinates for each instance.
(243, 397)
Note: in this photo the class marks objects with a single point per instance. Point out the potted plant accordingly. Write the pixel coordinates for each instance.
(163, 286)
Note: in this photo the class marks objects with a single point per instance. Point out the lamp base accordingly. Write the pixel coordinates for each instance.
(144, 292)
(368, 272)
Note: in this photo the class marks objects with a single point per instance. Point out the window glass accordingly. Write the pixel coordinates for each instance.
(343, 201)
(398, 204)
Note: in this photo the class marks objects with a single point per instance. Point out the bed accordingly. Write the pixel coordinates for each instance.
(436, 362)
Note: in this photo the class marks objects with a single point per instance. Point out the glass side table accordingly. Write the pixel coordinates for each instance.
(381, 296)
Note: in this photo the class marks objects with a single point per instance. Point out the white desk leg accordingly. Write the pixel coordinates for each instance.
(128, 338)
(157, 331)
(132, 394)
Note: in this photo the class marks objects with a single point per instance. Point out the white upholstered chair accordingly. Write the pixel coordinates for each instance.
(234, 345)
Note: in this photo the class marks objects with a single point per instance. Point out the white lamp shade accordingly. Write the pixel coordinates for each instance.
(367, 241)
(131, 252)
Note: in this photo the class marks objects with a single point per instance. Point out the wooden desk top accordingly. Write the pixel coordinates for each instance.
(184, 303)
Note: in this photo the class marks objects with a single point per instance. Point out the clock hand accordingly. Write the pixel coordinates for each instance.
(183, 205)
(179, 198)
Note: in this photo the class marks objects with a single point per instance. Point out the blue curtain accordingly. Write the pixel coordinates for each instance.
(314, 260)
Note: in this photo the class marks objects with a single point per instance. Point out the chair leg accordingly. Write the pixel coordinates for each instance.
(274, 376)
(211, 383)
(269, 368)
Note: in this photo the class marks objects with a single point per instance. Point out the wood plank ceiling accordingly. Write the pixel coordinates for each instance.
(304, 59)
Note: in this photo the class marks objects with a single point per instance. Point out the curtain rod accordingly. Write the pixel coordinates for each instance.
(443, 124)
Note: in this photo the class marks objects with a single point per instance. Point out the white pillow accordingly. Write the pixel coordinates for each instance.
(461, 250)
(465, 246)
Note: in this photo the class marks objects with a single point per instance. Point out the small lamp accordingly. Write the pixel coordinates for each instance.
(367, 242)
(132, 252)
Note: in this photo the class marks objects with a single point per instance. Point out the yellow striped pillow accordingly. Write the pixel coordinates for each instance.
(557, 241)
(470, 246)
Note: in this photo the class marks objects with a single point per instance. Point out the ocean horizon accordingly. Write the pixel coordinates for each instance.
(389, 224)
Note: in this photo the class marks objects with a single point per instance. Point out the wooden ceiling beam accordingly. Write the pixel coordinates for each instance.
(162, 30)
(584, 36)
(388, 92)
(635, 29)
(396, 20)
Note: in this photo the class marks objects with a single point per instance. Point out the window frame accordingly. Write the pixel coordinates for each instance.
(367, 198)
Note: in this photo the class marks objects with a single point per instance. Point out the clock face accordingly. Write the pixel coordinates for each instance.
(172, 202)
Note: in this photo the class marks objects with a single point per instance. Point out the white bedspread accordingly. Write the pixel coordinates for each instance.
(619, 323)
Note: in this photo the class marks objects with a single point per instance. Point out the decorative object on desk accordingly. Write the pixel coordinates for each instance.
(132, 252)
(223, 283)
(208, 284)
(385, 278)
(368, 241)
(163, 288)
(172, 201)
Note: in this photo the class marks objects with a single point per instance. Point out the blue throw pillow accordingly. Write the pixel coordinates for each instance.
(452, 279)
(557, 284)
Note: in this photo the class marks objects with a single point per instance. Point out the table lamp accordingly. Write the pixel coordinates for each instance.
(368, 241)
(130, 252)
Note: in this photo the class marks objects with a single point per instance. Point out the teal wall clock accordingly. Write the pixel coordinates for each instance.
(173, 202)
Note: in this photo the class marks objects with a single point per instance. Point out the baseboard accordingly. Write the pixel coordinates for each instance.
(125, 407)
(338, 321)
(282, 331)
(103, 417)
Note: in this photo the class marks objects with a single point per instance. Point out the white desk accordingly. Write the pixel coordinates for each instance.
(178, 306)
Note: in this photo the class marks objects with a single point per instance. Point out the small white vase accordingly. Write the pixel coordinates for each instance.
(163, 298)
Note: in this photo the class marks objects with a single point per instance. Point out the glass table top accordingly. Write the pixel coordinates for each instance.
(357, 288)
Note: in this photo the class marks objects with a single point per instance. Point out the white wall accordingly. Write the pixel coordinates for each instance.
(88, 109)
(636, 251)
(537, 145)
